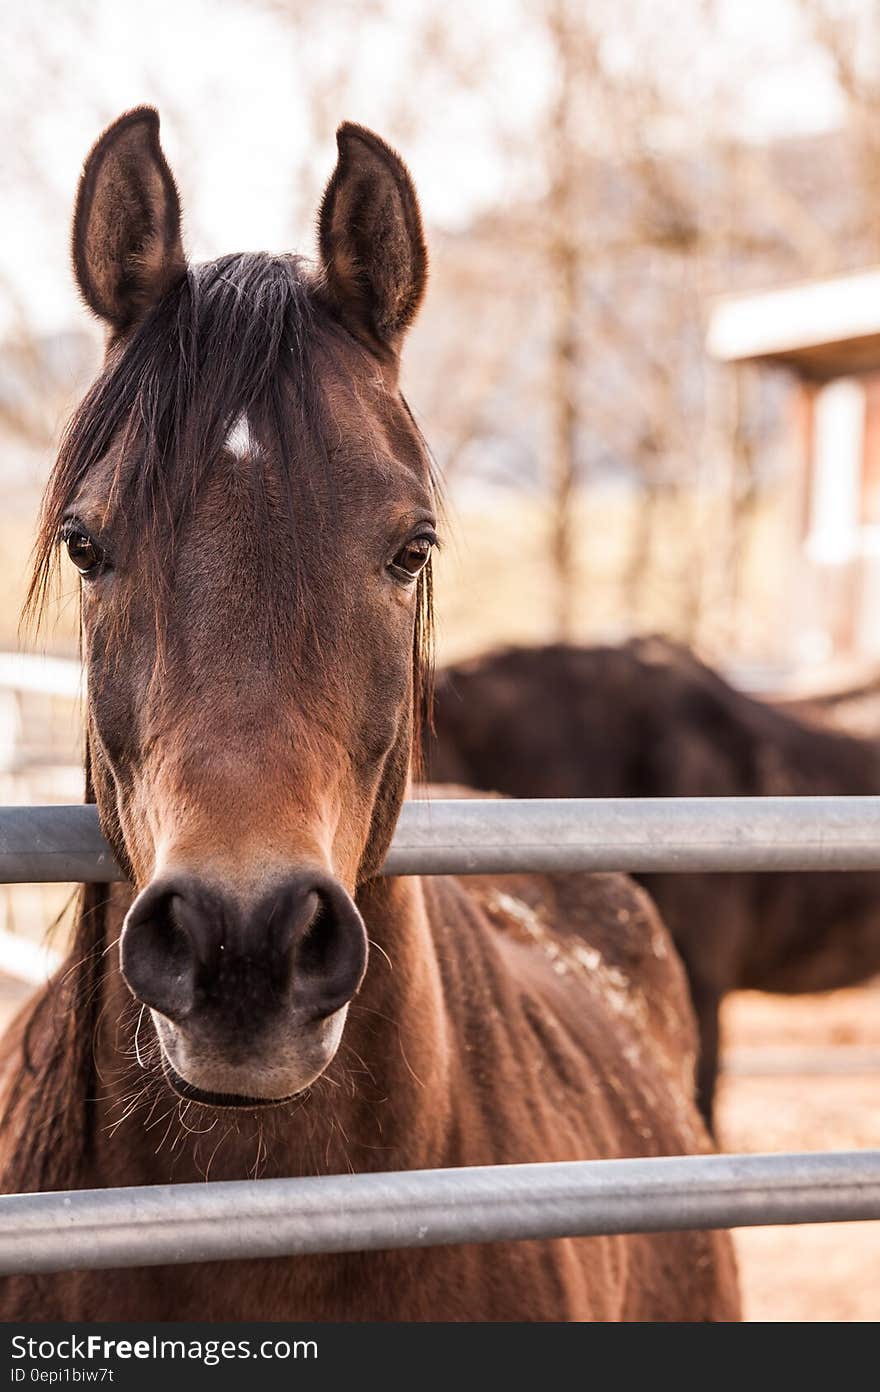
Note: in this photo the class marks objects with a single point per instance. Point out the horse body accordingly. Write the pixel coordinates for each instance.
(251, 509)
(649, 720)
(492, 1036)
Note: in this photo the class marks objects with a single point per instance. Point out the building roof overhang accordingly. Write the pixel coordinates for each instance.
(819, 328)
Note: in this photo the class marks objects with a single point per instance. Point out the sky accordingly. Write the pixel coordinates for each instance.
(250, 93)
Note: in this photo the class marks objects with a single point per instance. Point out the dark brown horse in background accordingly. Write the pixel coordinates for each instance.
(251, 510)
(649, 720)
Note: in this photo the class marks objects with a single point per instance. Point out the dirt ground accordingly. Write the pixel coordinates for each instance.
(802, 1073)
(773, 1097)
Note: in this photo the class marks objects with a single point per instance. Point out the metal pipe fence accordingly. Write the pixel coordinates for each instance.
(284, 1217)
(477, 836)
(223, 1221)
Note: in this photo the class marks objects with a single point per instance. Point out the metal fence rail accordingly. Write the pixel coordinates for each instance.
(283, 1217)
(427, 1208)
(41, 844)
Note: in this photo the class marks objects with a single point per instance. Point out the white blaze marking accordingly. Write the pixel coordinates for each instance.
(240, 441)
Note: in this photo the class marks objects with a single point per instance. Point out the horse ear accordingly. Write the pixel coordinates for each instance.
(372, 245)
(127, 249)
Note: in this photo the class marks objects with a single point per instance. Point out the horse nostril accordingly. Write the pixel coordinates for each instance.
(314, 953)
(329, 952)
(157, 955)
(193, 954)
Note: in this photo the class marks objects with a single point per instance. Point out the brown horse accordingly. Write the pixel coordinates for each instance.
(251, 510)
(649, 720)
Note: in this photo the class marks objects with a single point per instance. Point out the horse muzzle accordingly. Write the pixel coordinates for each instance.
(248, 999)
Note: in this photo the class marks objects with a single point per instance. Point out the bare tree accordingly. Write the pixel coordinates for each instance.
(849, 35)
(564, 253)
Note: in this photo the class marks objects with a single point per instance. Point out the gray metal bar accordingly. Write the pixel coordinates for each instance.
(784, 1061)
(54, 844)
(96, 1228)
(637, 834)
(504, 836)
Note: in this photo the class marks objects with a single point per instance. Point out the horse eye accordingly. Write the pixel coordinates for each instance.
(82, 549)
(411, 558)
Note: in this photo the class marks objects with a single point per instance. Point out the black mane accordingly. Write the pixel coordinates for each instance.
(237, 335)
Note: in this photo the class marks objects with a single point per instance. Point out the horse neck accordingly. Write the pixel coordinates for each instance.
(399, 1024)
(384, 1102)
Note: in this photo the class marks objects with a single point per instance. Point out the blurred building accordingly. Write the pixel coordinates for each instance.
(826, 333)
